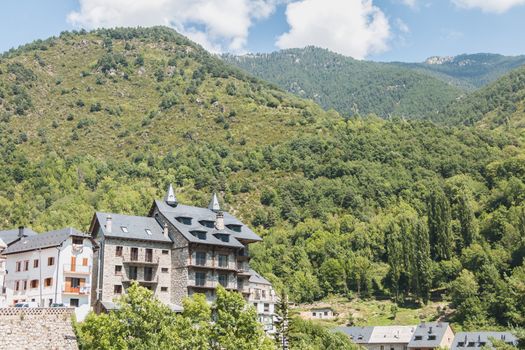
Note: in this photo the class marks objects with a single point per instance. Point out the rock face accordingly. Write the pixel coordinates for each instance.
(439, 59)
(37, 328)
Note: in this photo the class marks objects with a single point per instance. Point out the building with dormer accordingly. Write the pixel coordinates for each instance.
(176, 251)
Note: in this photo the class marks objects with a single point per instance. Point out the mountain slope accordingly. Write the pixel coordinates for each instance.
(501, 103)
(468, 71)
(350, 86)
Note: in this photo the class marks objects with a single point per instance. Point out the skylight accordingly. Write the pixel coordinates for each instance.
(148, 231)
(124, 229)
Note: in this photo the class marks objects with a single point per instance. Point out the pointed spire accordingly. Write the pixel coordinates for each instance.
(170, 198)
(214, 203)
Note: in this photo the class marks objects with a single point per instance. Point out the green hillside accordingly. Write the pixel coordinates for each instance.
(365, 207)
(500, 104)
(468, 71)
(351, 86)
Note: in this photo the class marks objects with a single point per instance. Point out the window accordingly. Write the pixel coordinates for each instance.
(48, 282)
(163, 289)
(26, 265)
(73, 302)
(165, 252)
(482, 343)
(133, 272)
(118, 251)
(200, 278)
(200, 258)
(17, 286)
(148, 274)
(313, 314)
(117, 289)
(124, 229)
(134, 254)
(263, 293)
(148, 231)
(207, 223)
(183, 220)
(118, 270)
(223, 260)
(25, 285)
(236, 228)
(84, 261)
(199, 234)
(461, 344)
(223, 279)
(418, 337)
(382, 347)
(75, 282)
(164, 270)
(18, 266)
(326, 313)
(266, 307)
(222, 237)
(35, 263)
(78, 240)
(50, 261)
(471, 344)
(33, 284)
(149, 255)
(431, 337)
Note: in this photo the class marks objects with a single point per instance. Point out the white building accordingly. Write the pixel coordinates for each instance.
(52, 267)
(7, 238)
(264, 298)
(380, 337)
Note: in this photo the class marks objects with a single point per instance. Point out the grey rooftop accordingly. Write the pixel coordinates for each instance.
(131, 227)
(43, 240)
(255, 277)
(428, 335)
(472, 340)
(9, 236)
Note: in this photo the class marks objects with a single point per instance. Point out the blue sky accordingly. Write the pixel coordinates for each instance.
(382, 30)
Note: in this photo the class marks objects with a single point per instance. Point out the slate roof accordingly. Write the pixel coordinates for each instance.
(9, 236)
(197, 214)
(256, 278)
(392, 334)
(358, 335)
(136, 227)
(478, 339)
(43, 240)
(425, 331)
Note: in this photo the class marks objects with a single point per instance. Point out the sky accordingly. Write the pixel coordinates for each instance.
(380, 30)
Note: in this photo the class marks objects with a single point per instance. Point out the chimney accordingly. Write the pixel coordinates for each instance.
(165, 230)
(219, 221)
(20, 231)
(108, 223)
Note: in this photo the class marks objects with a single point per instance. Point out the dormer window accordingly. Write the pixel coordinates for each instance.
(233, 227)
(78, 240)
(148, 231)
(418, 337)
(199, 234)
(183, 220)
(431, 337)
(207, 223)
(223, 237)
(124, 229)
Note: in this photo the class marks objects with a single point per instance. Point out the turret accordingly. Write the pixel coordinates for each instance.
(170, 198)
(214, 203)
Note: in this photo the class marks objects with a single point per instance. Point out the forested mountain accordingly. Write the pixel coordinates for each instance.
(500, 104)
(361, 207)
(350, 86)
(468, 71)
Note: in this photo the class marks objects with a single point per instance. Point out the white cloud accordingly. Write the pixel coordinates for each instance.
(354, 28)
(402, 26)
(218, 25)
(496, 6)
(410, 3)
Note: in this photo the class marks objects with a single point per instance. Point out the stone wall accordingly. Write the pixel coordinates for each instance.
(37, 328)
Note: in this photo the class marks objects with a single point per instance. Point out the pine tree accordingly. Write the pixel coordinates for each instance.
(282, 322)
(467, 220)
(423, 261)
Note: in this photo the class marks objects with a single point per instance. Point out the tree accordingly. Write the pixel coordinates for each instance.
(423, 261)
(440, 233)
(282, 322)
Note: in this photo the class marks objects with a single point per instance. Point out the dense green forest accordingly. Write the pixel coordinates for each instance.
(359, 207)
(350, 86)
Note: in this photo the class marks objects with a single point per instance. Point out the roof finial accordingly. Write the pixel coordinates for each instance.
(170, 197)
(214, 203)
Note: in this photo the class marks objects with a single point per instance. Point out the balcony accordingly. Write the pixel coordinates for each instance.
(243, 254)
(243, 269)
(76, 290)
(77, 270)
(146, 261)
(142, 280)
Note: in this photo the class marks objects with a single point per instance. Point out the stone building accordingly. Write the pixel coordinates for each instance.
(431, 335)
(131, 248)
(263, 298)
(181, 249)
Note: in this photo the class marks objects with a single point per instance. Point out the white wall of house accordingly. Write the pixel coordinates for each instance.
(263, 298)
(56, 281)
(2, 278)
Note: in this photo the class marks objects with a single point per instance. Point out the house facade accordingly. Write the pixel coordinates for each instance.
(263, 298)
(52, 267)
(176, 251)
(478, 340)
(431, 335)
